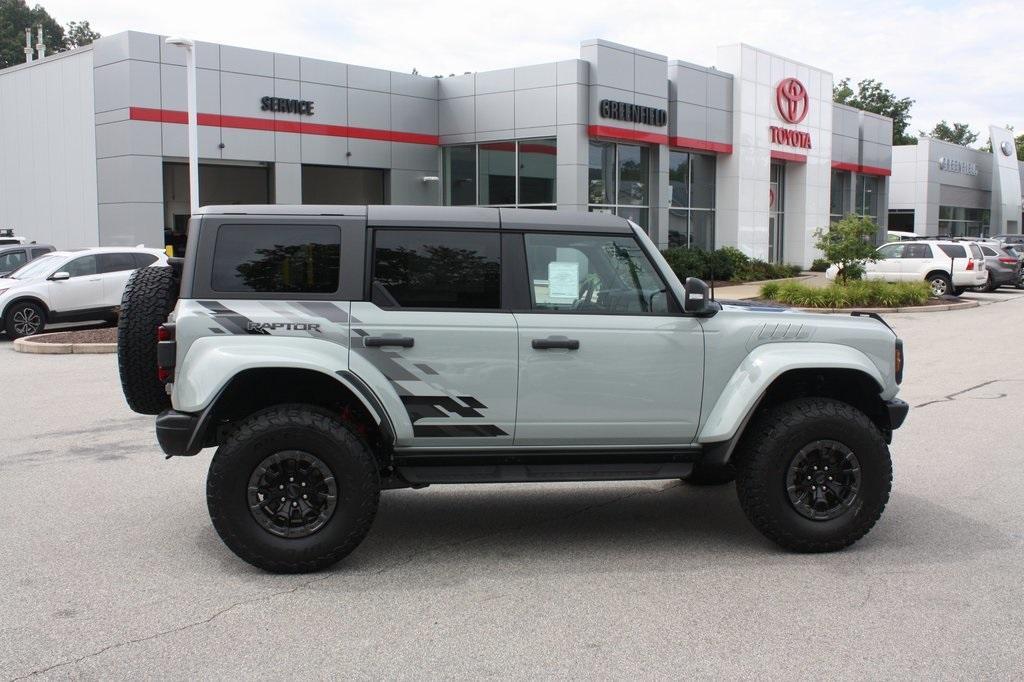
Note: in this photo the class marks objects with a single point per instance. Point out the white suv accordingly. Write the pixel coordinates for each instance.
(70, 286)
(948, 266)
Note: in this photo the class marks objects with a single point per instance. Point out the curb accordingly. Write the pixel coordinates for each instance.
(910, 309)
(25, 345)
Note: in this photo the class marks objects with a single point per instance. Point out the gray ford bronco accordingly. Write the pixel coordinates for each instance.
(332, 352)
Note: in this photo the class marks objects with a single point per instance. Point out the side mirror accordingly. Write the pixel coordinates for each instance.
(60, 276)
(697, 299)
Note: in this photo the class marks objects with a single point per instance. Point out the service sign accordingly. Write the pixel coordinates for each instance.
(283, 105)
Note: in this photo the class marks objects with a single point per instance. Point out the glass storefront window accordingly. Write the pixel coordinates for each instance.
(958, 221)
(839, 202)
(460, 175)
(691, 219)
(633, 175)
(511, 173)
(537, 172)
(497, 173)
(601, 179)
(867, 196)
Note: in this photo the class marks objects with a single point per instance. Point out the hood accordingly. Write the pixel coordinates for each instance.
(6, 283)
(754, 307)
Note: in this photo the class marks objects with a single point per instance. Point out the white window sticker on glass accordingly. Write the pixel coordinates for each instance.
(563, 281)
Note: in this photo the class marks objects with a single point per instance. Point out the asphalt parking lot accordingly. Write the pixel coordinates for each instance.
(109, 566)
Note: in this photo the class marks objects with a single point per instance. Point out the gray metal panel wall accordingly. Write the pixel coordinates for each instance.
(699, 103)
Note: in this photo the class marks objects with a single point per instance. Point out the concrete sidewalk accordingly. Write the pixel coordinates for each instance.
(753, 289)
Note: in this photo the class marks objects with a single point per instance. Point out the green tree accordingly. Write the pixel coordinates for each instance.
(957, 133)
(871, 95)
(16, 16)
(847, 244)
(1018, 141)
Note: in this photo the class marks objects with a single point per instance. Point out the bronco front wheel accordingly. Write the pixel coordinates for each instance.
(292, 489)
(813, 474)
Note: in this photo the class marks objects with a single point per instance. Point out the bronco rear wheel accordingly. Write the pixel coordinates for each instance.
(813, 474)
(292, 489)
(148, 299)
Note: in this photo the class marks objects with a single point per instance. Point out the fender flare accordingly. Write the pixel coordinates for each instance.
(212, 363)
(762, 366)
(27, 297)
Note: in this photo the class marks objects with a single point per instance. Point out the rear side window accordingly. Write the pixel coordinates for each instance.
(975, 251)
(436, 269)
(954, 250)
(917, 251)
(277, 259)
(144, 259)
(36, 253)
(116, 262)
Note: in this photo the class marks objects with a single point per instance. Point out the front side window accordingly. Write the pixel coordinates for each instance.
(277, 259)
(592, 274)
(82, 266)
(458, 269)
(891, 251)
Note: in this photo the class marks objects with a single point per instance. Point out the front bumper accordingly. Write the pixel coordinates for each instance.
(177, 433)
(896, 410)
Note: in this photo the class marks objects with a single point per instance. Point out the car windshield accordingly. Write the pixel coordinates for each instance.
(35, 268)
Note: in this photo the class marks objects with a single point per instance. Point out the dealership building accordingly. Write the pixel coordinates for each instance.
(750, 152)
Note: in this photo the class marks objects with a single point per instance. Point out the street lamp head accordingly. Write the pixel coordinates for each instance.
(180, 42)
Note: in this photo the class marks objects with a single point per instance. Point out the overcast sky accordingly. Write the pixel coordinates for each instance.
(960, 60)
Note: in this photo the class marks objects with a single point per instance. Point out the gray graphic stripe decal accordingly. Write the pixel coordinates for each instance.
(239, 324)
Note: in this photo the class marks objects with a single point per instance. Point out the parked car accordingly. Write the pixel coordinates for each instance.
(70, 286)
(552, 346)
(1009, 238)
(950, 267)
(13, 256)
(1003, 267)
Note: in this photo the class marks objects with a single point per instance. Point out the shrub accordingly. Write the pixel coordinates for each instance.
(756, 270)
(855, 294)
(725, 264)
(819, 265)
(847, 243)
(687, 262)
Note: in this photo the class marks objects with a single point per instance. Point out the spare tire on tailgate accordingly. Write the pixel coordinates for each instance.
(149, 297)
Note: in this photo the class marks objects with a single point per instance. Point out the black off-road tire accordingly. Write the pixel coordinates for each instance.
(303, 428)
(709, 474)
(20, 318)
(769, 447)
(149, 297)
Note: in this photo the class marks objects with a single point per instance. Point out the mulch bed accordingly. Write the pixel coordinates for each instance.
(106, 335)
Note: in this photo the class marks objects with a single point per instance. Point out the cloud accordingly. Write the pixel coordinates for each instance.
(948, 56)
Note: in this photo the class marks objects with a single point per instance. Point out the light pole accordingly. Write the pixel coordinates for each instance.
(193, 122)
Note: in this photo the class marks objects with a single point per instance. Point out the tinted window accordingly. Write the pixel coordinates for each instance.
(436, 269)
(116, 262)
(917, 251)
(987, 251)
(80, 267)
(12, 260)
(277, 259)
(36, 253)
(953, 250)
(592, 274)
(144, 259)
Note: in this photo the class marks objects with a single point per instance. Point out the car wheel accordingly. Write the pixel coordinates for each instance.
(813, 474)
(710, 474)
(940, 284)
(148, 299)
(990, 285)
(292, 489)
(24, 319)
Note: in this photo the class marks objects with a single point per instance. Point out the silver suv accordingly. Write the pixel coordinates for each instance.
(332, 352)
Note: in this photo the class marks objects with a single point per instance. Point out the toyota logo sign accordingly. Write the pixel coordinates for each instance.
(791, 97)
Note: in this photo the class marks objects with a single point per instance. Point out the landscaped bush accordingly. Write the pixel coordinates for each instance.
(725, 264)
(855, 294)
(819, 265)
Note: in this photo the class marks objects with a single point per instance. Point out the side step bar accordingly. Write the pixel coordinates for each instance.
(521, 466)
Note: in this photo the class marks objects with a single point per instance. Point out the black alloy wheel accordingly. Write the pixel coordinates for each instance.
(823, 480)
(292, 494)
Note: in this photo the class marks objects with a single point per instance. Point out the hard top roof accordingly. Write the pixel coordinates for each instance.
(476, 217)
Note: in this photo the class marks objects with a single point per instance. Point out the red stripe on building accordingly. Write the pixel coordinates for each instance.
(700, 145)
(788, 156)
(280, 126)
(858, 168)
(626, 134)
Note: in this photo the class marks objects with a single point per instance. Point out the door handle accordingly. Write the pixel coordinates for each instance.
(545, 344)
(382, 341)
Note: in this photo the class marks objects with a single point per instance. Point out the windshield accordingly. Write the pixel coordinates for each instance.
(37, 267)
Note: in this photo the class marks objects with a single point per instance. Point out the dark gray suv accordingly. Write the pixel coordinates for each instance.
(13, 256)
